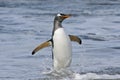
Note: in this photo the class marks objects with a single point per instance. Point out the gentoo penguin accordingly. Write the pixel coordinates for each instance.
(61, 44)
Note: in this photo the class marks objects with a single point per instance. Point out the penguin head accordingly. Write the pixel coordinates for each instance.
(60, 17)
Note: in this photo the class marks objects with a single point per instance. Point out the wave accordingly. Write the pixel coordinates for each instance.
(69, 75)
(94, 76)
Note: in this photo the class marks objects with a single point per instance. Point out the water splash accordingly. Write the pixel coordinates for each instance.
(70, 75)
(94, 76)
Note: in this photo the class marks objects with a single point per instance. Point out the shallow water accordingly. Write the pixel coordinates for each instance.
(26, 23)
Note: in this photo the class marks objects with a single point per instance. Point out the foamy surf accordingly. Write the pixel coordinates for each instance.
(94, 76)
(69, 75)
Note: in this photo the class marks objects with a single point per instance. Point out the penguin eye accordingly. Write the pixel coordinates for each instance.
(62, 14)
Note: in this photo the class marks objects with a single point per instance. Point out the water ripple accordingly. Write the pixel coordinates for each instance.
(94, 38)
(117, 47)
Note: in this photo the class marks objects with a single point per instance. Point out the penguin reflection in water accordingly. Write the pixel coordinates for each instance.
(61, 44)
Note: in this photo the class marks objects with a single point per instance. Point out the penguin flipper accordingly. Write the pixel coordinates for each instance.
(41, 46)
(75, 38)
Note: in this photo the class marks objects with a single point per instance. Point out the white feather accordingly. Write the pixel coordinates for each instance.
(62, 50)
(58, 14)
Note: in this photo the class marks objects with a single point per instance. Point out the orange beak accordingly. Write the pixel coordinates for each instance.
(66, 16)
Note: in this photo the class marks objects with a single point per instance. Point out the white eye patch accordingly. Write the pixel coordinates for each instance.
(59, 15)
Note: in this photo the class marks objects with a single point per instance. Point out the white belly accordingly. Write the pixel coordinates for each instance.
(62, 49)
